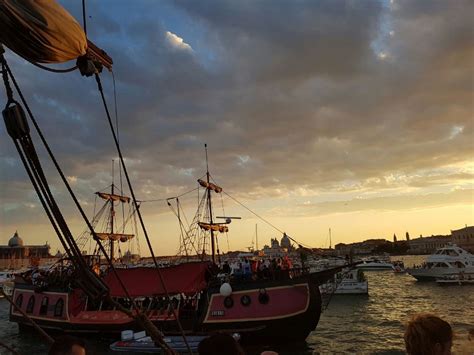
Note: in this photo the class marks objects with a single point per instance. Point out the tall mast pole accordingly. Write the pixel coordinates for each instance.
(330, 242)
(112, 213)
(256, 237)
(210, 208)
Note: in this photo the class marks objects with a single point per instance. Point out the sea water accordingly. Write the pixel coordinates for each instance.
(351, 324)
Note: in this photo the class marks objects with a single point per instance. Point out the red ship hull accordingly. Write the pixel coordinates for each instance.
(287, 309)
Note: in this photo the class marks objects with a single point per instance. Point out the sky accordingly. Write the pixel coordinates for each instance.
(352, 115)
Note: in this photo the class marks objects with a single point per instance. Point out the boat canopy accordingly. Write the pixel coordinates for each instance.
(188, 278)
(41, 31)
(113, 197)
(216, 227)
(210, 186)
(115, 236)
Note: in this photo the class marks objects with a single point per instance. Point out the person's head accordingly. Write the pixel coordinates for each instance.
(68, 345)
(428, 334)
(218, 344)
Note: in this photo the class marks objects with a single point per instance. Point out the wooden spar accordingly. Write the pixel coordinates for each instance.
(41, 331)
(98, 55)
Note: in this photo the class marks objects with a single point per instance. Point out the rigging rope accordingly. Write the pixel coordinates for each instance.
(142, 223)
(267, 222)
(37, 174)
(169, 198)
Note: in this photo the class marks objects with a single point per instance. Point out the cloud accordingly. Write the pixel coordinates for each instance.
(287, 96)
(177, 42)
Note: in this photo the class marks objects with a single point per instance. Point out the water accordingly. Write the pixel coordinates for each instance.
(351, 324)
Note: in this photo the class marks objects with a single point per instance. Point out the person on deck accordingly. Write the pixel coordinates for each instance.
(226, 268)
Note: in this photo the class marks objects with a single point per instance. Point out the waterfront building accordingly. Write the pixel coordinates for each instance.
(428, 245)
(366, 247)
(17, 255)
(464, 238)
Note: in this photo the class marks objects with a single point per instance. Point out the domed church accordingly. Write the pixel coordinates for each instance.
(16, 254)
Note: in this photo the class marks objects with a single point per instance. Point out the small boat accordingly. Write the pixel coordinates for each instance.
(375, 264)
(6, 283)
(352, 282)
(457, 279)
(398, 267)
(446, 261)
(147, 345)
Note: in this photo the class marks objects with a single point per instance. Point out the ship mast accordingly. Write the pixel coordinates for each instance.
(210, 209)
(112, 214)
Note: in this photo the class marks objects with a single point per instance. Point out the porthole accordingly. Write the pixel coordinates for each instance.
(263, 297)
(228, 302)
(245, 300)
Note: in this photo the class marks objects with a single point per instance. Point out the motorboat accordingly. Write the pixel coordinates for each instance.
(447, 261)
(375, 263)
(456, 279)
(352, 282)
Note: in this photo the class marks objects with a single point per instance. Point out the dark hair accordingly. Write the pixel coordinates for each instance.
(220, 343)
(63, 345)
(424, 331)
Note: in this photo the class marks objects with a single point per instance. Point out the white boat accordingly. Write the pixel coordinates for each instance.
(352, 282)
(457, 279)
(447, 261)
(375, 263)
(6, 282)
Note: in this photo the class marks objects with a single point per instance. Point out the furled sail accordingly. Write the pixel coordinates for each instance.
(215, 227)
(210, 186)
(113, 197)
(115, 236)
(41, 31)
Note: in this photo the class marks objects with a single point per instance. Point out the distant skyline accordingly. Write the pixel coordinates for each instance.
(352, 115)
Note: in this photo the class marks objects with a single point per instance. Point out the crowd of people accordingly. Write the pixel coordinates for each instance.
(247, 269)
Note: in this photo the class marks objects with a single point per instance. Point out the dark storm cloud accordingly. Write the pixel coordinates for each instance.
(313, 94)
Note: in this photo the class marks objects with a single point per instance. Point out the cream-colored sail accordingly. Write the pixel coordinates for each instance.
(41, 31)
(115, 236)
(113, 197)
(210, 186)
(214, 227)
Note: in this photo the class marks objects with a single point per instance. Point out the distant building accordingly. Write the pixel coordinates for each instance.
(394, 238)
(407, 236)
(362, 248)
(16, 255)
(278, 249)
(464, 238)
(428, 245)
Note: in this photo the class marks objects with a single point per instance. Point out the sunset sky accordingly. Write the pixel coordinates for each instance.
(352, 115)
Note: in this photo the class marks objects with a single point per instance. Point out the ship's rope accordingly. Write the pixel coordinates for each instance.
(266, 221)
(142, 223)
(92, 278)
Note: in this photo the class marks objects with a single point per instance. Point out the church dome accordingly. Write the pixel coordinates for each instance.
(15, 241)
